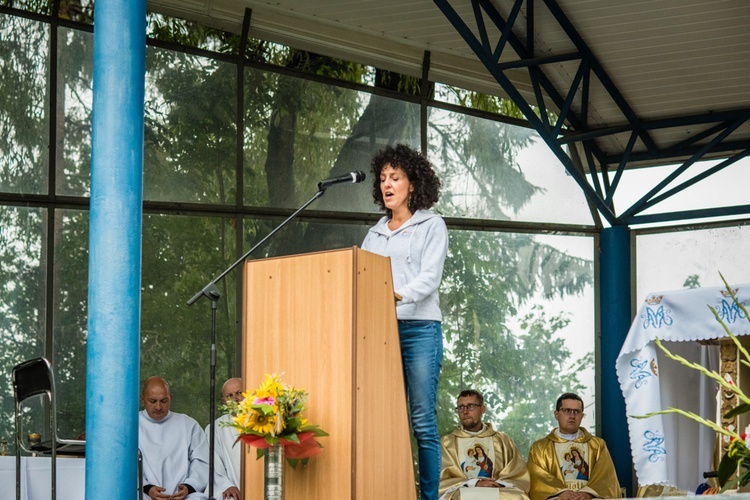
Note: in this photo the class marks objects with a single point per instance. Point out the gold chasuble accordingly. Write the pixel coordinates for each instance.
(489, 454)
(584, 464)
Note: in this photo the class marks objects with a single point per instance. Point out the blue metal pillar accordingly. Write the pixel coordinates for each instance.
(614, 299)
(114, 297)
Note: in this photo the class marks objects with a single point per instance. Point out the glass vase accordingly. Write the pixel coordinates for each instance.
(273, 473)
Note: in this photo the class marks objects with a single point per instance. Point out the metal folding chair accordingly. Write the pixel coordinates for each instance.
(34, 379)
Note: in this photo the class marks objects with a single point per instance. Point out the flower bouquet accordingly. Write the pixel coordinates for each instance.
(738, 453)
(271, 415)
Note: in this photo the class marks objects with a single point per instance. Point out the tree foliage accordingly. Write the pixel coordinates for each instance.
(295, 132)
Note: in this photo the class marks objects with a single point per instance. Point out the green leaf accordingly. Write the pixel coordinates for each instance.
(293, 462)
(727, 467)
(264, 409)
(737, 410)
(294, 438)
(259, 452)
(730, 485)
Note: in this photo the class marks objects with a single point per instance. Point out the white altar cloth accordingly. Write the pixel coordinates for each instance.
(671, 449)
(35, 478)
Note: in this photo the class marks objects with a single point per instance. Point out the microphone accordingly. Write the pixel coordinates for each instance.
(353, 177)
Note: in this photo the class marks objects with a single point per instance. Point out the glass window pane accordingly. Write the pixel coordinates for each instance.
(518, 325)
(70, 302)
(77, 10)
(181, 255)
(691, 259)
(300, 132)
(24, 126)
(493, 170)
(301, 237)
(724, 188)
(190, 132)
(74, 98)
(504, 332)
(190, 33)
(23, 251)
(36, 6)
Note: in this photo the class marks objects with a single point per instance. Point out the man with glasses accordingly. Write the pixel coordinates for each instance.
(570, 463)
(477, 457)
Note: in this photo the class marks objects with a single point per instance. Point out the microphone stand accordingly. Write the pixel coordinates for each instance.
(211, 292)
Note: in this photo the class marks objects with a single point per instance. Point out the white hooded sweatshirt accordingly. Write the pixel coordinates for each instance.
(417, 250)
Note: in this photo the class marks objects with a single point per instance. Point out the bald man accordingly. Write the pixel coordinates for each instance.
(173, 445)
(226, 452)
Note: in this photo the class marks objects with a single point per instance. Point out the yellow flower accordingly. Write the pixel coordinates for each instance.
(270, 387)
(262, 424)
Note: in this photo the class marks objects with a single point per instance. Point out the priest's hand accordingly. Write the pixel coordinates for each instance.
(575, 495)
(488, 483)
(157, 493)
(181, 493)
(231, 492)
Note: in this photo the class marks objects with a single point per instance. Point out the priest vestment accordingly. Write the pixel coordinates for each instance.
(227, 453)
(471, 456)
(583, 464)
(175, 451)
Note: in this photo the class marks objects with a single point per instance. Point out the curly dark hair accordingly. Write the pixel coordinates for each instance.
(418, 170)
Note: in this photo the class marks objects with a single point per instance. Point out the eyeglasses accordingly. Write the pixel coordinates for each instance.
(571, 411)
(468, 407)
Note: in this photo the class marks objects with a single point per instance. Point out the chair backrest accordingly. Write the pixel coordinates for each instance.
(32, 378)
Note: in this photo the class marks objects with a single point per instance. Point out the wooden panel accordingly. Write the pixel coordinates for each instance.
(328, 321)
(381, 399)
(292, 307)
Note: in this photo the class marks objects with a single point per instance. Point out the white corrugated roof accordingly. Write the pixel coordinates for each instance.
(667, 58)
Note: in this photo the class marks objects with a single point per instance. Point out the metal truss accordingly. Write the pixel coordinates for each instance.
(571, 137)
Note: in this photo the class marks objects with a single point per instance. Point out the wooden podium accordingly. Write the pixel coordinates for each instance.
(327, 321)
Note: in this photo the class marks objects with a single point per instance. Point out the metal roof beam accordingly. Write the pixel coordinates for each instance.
(695, 179)
(688, 214)
(598, 70)
(582, 69)
(480, 46)
(573, 108)
(640, 205)
(680, 121)
(621, 167)
(508, 31)
(721, 149)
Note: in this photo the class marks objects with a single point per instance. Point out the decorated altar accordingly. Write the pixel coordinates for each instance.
(670, 449)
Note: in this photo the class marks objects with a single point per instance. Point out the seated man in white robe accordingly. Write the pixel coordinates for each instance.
(226, 453)
(173, 445)
(478, 461)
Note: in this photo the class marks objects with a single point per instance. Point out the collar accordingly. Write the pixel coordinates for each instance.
(568, 437)
(476, 433)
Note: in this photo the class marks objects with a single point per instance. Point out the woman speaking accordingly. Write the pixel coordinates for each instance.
(416, 240)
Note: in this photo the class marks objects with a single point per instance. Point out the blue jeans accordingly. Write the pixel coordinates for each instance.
(422, 355)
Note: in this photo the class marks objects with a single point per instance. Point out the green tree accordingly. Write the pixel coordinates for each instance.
(550, 372)
(295, 133)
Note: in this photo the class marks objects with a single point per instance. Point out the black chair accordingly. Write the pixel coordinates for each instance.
(34, 379)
